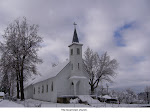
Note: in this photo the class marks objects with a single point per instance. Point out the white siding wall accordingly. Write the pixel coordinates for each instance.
(61, 86)
(83, 84)
(46, 96)
(64, 86)
(63, 82)
(28, 92)
(75, 59)
(83, 87)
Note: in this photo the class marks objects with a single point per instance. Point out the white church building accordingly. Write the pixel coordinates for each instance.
(68, 79)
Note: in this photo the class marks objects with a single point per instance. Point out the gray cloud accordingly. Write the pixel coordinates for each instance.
(97, 21)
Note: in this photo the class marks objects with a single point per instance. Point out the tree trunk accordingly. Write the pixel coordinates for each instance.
(21, 88)
(21, 79)
(18, 77)
(147, 97)
(92, 90)
(21, 84)
(18, 87)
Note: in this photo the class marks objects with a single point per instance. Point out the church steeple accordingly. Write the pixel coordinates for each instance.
(75, 55)
(75, 36)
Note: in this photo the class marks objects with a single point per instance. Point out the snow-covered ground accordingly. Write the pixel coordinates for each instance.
(7, 103)
(32, 103)
(89, 99)
(37, 103)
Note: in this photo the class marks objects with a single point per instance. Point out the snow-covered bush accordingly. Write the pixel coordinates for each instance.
(76, 100)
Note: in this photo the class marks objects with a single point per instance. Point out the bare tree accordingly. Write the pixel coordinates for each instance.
(147, 91)
(130, 96)
(5, 70)
(127, 96)
(99, 68)
(22, 43)
(120, 96)
(100, 90)
(107, 86)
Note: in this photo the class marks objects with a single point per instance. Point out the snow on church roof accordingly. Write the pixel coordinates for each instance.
(77, 77)
(52, 72)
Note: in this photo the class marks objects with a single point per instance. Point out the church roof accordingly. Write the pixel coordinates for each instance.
(77, 77)
(75, 37)
(49, 74)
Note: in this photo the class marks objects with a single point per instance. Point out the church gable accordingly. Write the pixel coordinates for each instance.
(52, 72)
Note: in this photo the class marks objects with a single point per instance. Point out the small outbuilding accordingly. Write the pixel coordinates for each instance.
(1, 95)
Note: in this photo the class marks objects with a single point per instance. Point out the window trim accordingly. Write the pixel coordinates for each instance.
(71, 52)
(47, 88)
(42, 88)
(78, 51)
(39, 90)
(52, 87)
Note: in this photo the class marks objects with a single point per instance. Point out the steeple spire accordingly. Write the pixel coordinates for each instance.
(75, 36)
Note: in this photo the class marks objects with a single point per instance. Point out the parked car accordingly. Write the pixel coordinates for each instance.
(107, 99)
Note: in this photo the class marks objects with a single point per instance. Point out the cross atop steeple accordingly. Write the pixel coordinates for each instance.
(75, 36)
(74, 25)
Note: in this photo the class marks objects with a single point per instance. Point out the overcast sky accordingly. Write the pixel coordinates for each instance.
(120, 27)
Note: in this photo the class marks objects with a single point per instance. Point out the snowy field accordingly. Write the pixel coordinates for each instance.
(37, 103)
(7, 103)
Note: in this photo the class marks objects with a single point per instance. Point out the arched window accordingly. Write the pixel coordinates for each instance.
(78, 51)
(78, 66)
(46, 88)
(71, 52)
(72, 83)
(42, 89)
(52, 87)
